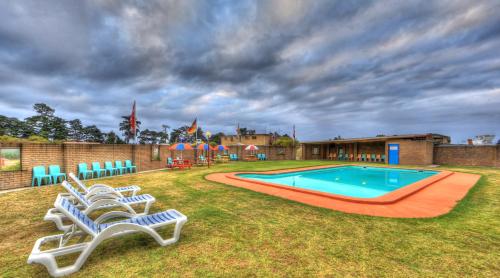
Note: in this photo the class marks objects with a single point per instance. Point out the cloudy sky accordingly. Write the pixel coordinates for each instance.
(350, 68)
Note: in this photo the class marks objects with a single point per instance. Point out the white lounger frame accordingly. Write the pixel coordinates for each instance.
(98, 187)
(100, 200)
(48, 257)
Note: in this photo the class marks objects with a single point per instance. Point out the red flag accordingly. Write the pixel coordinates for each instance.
(193, 128)
(133, 121)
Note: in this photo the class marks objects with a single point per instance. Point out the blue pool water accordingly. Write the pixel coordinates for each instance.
(353, 181)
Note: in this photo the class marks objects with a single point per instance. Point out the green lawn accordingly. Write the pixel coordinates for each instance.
(236, 232)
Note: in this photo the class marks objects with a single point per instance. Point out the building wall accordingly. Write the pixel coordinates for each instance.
(422, 152)
(413, 152)
(467, 155)
(258, 140)
(308, 154)
(371, 148)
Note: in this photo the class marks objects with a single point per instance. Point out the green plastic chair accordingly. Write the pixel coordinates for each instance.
(108, 167)
(374, 157)
(363, 157)
(84, 172)
(130, 168)
(97, 170)
(119, 167)
(383, 158)
(170, 162)
(39, 176)
(55, 173)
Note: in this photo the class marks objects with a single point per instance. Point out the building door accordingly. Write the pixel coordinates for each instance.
(393, 153)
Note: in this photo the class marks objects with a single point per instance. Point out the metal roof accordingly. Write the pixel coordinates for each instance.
(374, 139)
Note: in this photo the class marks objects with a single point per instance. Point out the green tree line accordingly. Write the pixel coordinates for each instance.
(45, 126)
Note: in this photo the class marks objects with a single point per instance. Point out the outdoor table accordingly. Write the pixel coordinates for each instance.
(181, 163)
(251, 158)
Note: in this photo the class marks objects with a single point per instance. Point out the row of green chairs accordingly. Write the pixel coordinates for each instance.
(233, 157)
(360, 157)
(109, 169)
(40, 176)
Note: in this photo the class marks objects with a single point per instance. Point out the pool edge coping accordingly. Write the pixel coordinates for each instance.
(389, 198)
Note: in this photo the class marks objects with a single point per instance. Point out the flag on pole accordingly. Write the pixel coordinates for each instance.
(133, 121)
(293, 135)
(193, 128)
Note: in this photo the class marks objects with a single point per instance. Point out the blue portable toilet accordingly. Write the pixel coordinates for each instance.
(393, 153)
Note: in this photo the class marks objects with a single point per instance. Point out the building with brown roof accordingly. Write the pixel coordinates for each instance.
(396, 149)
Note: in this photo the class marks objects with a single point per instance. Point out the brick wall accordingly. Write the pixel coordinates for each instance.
(69, 155)
(272, 152)
(467, 155)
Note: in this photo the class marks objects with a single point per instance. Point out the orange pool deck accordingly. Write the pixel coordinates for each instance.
(430, 197)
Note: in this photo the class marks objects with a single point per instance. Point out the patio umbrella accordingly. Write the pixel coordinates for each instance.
(251, 148)
(180, 147)
(205, 147)
(221, 148)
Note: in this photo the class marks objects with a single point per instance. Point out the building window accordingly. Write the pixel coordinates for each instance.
(254, 137)
(315, 150)
(231, 139)
(10, 159)
(247, 137)
(155, 152)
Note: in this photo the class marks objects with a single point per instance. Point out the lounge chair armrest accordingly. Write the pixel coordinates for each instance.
(100, 185)
(108, 202)
(113, 214)
(104, 189)
(103, 195)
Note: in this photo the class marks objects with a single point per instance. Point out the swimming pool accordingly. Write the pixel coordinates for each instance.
(352, 181)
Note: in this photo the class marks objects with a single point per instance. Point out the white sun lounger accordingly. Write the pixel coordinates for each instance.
(97, 201)
(98, 231)
(103, 187)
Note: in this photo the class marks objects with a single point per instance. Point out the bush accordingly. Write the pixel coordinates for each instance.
(285, 142)
(31, 139)
(37, 139)
(9, 139)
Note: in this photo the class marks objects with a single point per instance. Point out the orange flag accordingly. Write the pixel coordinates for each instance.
(193, 127)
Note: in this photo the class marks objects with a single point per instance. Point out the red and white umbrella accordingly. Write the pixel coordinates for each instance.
(251, 148)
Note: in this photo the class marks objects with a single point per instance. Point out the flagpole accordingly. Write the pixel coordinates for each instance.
(196, 141)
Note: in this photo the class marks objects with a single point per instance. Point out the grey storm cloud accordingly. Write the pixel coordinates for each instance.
(350, 68)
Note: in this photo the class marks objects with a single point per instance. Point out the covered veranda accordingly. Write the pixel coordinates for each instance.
(353, 150)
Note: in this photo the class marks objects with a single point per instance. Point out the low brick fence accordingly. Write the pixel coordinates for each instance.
(69, 155)
(467, 155)
(271, 152)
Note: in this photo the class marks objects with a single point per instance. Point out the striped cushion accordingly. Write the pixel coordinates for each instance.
(75, 192)
(147, 220)
(137, 199)
(84, 219)
(128, 188)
